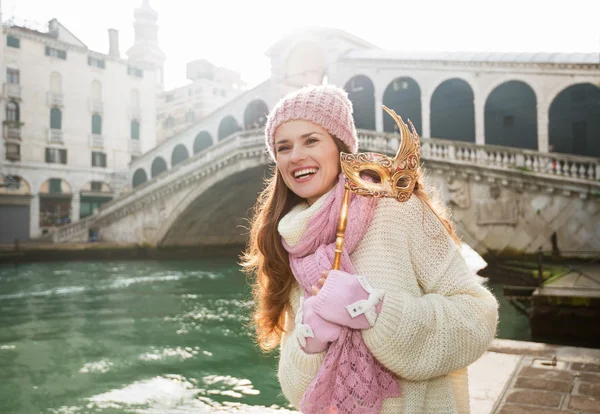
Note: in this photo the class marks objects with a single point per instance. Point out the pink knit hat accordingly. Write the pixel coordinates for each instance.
(325, 105)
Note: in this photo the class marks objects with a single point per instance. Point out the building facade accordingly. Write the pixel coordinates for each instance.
(211, 87)
(73, 119)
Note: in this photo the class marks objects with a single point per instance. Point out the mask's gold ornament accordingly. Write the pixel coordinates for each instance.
(387, 177)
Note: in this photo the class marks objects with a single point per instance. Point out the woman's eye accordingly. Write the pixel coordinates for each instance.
(283, 148)
(311, 140)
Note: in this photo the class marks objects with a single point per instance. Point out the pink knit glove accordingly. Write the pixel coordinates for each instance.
(348, 300)
(314, 332)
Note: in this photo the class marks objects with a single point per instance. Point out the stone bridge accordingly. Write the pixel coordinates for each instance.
(500, 197)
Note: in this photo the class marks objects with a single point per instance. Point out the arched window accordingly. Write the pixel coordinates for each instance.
(55, 118)
(96, 90)
(135, 129)
(96, 124)
(55, 82)
(12, 111)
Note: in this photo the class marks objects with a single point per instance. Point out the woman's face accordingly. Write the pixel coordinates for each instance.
(307, 158)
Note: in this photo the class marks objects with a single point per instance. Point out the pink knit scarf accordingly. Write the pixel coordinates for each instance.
(350, 380)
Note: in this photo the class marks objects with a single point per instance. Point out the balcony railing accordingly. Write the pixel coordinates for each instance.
(135, 147)
(135, 111)
(96, 106)
(13, 132)
(55, 99)
(96, 141)
(55, 136)
(13, 90)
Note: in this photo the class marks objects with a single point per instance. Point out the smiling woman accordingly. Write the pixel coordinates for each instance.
(403, 313)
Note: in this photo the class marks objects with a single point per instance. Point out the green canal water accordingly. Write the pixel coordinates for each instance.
(140, 337)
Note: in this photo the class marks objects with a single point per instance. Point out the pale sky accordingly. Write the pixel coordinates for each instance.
(236, 34)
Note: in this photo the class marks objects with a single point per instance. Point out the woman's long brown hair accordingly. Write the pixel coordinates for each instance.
(266, 260)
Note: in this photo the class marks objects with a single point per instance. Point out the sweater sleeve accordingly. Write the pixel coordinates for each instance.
(296, 368)
(454, 320)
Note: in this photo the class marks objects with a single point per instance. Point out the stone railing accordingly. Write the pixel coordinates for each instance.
(55, 99)
(572, 168)
(13, 132)
(13, 90)
(491, 156)
(55, 136)
(96, 106)
(96, 141)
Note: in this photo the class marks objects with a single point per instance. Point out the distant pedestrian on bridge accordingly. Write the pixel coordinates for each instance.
(394, 330)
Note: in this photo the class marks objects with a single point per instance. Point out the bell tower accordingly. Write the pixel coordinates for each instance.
(145, 51)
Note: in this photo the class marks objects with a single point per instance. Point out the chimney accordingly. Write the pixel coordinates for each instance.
(113, 43)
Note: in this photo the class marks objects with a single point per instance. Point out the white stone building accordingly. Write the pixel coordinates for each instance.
(72, 119)
(211, 88)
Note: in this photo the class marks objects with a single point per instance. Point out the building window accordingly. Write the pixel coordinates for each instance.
(508, 121)
(13, 151)
(98, 159)
(96, 186)
(169, 122)
(99, 63)
(56, 156)
(12, 76)
(12, 182)
(12, 41)
(61, 54)
(135, 72)
(190, 116)
(55, 118)
(135, 129)
(54, 185)
(96, 124)
(12, 111)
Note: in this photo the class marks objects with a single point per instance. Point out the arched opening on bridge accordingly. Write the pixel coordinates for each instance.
(403, 95)
(511, 116)
(574, 121)
(139, 177)
(305, 65)
(227, 127)
(180, 153)
(203, 140)
(15, 200)
(362, 94)
(92, 196)
(255, 115)
(56, 195)
(218, 215)
(453, 111)
(159, 165)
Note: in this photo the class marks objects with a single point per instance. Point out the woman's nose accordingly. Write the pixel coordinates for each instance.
(297, 154)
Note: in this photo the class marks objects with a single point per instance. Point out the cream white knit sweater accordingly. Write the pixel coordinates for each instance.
(436, 319)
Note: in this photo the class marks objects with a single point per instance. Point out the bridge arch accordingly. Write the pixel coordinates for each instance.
(225, 196)
(227, 127)
(180, 154)
(255, 115)
(361, 92)
(452, 111)
(202, 141)
(511, 116)
(139, 177)
(403, 95)
(574, 120)
(159, 165)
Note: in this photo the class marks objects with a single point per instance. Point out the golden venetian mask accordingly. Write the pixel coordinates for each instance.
(377, 175)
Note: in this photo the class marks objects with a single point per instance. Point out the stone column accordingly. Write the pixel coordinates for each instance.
(542, 126)
(378, 111)
(34, 216)
(75, 206)
(479, 103)
(425, 115)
